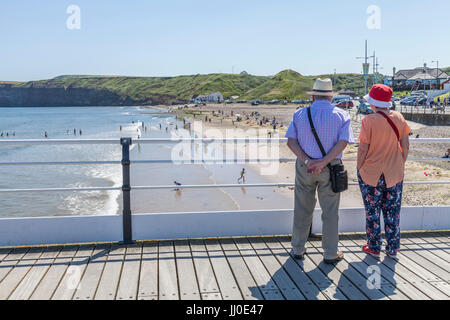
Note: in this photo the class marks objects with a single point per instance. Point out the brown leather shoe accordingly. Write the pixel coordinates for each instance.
(337, 259)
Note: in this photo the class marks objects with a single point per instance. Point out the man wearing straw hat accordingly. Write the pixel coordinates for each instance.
(333, 128)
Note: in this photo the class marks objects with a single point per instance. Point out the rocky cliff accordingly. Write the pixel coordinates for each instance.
(53, 97)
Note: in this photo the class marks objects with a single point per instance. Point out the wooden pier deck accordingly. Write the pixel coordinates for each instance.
(250, 268)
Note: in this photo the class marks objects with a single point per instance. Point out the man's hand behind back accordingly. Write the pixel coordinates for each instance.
(316, 166)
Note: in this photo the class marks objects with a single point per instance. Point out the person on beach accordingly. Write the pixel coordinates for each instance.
(333, 128)
(242, 177)
(447, 154)
(382, 153)
(177, 184)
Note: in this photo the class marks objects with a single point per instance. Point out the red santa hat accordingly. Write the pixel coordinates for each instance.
(380, 96)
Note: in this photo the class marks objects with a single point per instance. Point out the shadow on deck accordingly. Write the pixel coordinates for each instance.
(249, 268)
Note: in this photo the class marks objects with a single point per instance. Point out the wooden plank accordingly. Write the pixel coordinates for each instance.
(443, 236)
(16, 275)
(167, 272)
(443, 286)
(225, 279)
(361, 263)
(244, 278)
(10, 261)
(4, 252)
(333, 273)
(325, 285)
(148, 280)
(187, 278)
(205, 275)
(212, 296)
(107, 287)
(147, 297)
(262, 278)
(307, 287)
(129, 278)
(409, 274)
(444, 241)
(397, 279)
(287, 287)
(27, 286)
(74, 273)
(354, 276)
(92, 275)
(436, 247)
(430, 261)
(52, 278)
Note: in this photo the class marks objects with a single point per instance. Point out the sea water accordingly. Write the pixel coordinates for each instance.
(64, 123)
(107, 123)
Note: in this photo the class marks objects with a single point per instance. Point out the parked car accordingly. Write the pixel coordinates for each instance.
(364, 108)
(420, 101)
(344, 104)
(337, 99)
(407, 100)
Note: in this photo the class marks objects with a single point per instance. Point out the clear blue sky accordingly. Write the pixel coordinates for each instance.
(174, 37)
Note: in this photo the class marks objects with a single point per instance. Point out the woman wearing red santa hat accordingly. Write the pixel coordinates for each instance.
(383, 149)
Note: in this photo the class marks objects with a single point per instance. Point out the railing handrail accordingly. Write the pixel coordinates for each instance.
(192, 161)
(12, 142)
(194, 186)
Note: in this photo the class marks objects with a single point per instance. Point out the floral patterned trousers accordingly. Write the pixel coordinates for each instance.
(389, 201)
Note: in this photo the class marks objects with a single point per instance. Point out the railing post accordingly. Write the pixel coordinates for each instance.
(126, 191)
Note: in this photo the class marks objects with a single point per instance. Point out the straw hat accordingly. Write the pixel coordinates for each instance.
(380, 96)
(322, 88)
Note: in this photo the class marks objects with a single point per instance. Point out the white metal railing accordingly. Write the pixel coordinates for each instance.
(125, 162)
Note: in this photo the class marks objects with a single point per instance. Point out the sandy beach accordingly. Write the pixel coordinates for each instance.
(414, 195)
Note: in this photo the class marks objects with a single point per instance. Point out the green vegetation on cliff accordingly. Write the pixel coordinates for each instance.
(287, 84)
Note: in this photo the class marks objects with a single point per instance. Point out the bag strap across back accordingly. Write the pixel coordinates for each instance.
(394, 127)
(315, 132)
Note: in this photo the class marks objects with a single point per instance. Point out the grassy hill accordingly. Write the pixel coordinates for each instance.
(155, 89)
(287, 84)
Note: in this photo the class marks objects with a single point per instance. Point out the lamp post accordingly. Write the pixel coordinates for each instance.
(365, 69)
(437, 74)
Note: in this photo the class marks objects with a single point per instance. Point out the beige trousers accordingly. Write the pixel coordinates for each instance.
(305, 202)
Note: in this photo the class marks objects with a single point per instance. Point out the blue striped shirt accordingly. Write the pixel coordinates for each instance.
(332, 125)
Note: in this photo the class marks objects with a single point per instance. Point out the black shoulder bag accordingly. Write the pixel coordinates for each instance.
(338, 174)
